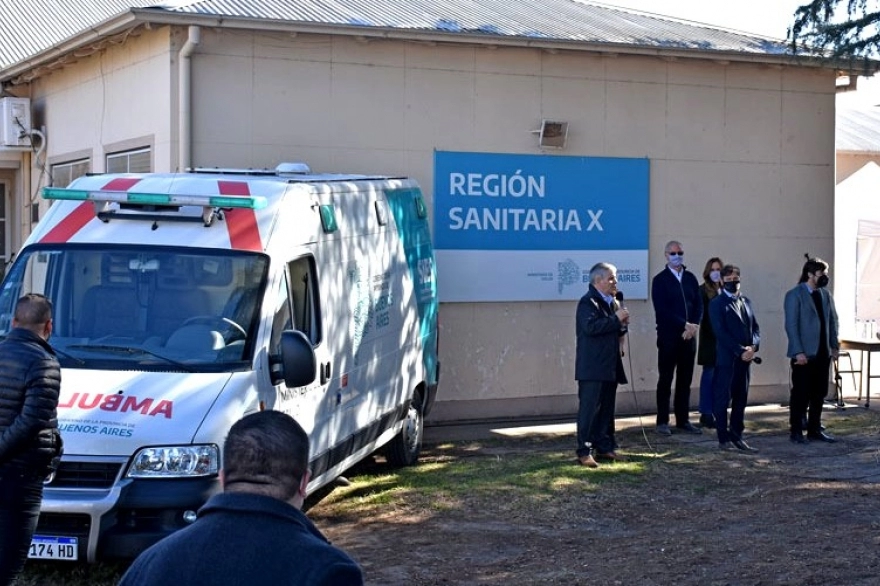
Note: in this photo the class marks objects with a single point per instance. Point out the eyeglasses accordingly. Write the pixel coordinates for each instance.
(679, 253)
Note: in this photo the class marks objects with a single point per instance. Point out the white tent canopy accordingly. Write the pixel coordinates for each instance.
(855, 271)
(868, 271)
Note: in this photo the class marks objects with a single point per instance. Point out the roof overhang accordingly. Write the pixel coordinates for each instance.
(125, 23)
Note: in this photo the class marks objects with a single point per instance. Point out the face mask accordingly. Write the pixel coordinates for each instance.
(731, 287)
(715, 276)
(822, 281)
(676, 260)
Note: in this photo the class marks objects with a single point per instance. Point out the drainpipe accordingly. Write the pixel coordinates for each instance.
(185, 96)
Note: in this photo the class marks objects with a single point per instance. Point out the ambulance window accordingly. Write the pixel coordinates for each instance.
(281, 322)
(303, 294)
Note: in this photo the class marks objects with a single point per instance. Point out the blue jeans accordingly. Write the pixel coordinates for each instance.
(707, 391)
(20, 497)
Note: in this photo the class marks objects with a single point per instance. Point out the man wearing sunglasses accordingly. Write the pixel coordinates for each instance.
(678, 309)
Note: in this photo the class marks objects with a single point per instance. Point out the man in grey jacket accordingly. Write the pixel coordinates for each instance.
(811, 326)
(30, 381)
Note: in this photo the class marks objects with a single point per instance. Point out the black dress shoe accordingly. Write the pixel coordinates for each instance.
(798, 438)
(742, 445)
(707, 421)
(689, 427)
(821, 436)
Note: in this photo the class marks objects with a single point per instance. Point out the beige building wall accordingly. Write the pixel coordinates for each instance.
(741, 155)
(119, 98)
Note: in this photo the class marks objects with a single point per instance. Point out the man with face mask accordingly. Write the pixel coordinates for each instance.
(811, 326)
(737, 338)
(678, 309)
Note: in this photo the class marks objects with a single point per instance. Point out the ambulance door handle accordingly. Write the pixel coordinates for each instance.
(325, 373)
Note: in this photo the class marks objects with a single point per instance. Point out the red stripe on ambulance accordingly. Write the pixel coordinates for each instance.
(121, 184)
(244, 234)
(71, 224)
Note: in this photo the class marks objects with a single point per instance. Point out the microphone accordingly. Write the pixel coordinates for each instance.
(757, 359)
(623, 326)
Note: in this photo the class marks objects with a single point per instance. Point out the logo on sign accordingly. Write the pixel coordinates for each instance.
(567, 273)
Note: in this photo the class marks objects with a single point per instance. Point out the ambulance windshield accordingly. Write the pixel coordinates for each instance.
(145, 308)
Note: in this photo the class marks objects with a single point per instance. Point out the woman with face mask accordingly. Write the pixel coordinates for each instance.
(706, 350)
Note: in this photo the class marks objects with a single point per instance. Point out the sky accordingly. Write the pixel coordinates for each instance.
(769, 18)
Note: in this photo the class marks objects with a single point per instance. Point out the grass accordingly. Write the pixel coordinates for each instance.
(45, 573)
(518, 474)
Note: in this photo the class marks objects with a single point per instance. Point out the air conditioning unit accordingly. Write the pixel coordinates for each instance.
(15, 122)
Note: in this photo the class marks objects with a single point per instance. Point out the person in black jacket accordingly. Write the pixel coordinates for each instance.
(678, 309)
(600, 327)
(254, 532)
(706, 347)
(30, 444)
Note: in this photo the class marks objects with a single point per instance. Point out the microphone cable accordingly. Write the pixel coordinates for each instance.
(635, 397)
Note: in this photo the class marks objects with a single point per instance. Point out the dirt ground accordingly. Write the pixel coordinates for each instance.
(790, 514)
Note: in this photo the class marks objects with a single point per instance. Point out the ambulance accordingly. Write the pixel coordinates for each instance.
(183, 302)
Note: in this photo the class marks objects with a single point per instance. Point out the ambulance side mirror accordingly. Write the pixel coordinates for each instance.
(298, 363)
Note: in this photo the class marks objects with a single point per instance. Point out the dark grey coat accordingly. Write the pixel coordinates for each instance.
(30, 382)
(598, 340)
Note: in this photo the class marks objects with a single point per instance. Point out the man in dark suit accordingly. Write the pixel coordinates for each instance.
(678, 308)
(811, 326)
(737, 338)
(600, 327)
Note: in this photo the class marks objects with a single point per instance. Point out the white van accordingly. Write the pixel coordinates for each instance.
(183, 302)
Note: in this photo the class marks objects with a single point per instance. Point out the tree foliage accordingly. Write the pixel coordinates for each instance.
(844, 30)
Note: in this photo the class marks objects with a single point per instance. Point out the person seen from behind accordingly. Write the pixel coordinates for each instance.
(254, 532)
(30, 443)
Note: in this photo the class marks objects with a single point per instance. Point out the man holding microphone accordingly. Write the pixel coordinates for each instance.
(601, 324)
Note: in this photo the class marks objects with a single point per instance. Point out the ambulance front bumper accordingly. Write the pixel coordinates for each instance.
(126, 518)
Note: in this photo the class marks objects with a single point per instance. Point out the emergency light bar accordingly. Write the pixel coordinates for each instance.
(254, 202)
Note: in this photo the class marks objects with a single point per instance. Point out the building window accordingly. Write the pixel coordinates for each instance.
(63, 174)
(134, 161)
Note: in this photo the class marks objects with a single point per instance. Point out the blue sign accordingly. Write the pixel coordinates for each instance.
(488, 201)
(528, 227)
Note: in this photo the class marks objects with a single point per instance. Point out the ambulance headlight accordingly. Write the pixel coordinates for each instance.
(175, 462)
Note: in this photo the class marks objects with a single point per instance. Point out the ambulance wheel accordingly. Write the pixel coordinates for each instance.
(230, 329)
(404, 449)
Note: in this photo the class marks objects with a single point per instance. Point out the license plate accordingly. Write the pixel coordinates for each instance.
(53, 548)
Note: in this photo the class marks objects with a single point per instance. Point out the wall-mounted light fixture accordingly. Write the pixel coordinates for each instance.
(552, 134)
